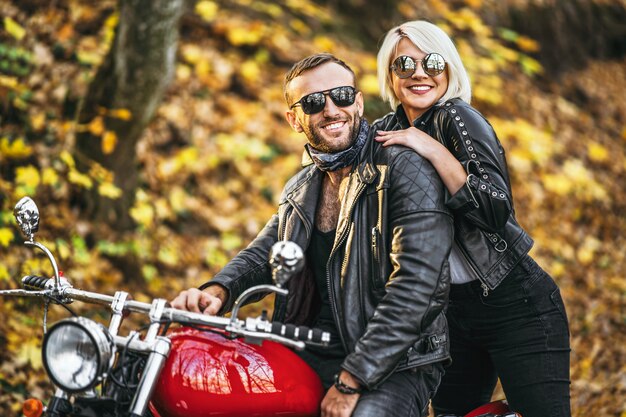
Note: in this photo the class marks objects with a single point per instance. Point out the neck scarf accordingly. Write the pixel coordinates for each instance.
(337, 160)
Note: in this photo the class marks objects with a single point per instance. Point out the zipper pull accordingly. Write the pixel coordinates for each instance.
(485, 289)
(374, 243)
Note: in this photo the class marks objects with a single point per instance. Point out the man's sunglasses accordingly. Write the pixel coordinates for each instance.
(315, 102)
(404, 66)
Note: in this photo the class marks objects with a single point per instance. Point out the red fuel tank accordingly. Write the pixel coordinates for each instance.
(207, 374)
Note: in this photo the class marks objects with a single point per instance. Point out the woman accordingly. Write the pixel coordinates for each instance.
(506, 315)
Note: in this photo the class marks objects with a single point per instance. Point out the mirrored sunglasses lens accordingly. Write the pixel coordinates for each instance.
(313, 103)
(404, 66)
(342, 96)
(433, 64)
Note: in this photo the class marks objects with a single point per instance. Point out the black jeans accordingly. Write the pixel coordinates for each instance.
(519, 333)
(403, 394)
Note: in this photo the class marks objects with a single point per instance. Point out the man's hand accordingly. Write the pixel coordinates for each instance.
(208, 301)
(336, 404)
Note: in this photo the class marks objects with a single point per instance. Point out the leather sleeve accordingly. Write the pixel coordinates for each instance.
(485, 199)
(421, 233)
(249, 268)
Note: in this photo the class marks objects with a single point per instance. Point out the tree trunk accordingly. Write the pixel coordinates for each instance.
(133, 77)
(570, 32)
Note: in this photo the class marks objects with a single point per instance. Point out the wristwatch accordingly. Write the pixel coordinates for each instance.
(344, 388)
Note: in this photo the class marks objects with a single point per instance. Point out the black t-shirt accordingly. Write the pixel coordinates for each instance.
(324, 360)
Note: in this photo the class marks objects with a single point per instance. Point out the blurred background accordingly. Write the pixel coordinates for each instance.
(151, 135)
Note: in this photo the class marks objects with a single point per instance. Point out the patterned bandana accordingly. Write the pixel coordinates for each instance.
(334, 161)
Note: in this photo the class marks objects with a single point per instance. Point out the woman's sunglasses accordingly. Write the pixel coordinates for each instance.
(315, 102)
(404, 66)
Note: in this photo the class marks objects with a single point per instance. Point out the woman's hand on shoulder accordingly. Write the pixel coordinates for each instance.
(413, 138)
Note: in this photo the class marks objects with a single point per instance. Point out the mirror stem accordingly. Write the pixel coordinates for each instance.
(247, 293)
(57, 279)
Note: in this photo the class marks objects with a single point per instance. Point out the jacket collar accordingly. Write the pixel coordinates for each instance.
(424, 119)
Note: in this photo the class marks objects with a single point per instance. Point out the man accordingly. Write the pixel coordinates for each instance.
(377, 235)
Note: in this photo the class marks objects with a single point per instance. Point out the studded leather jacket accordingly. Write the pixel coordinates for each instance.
(486, 230)
(388, 273)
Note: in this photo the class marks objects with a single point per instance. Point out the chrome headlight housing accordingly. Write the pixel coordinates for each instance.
(76, 353)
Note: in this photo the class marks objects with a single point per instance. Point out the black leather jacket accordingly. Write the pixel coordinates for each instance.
(486, 231)
(388, 269)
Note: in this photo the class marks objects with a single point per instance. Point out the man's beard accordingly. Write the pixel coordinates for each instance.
(317, 141)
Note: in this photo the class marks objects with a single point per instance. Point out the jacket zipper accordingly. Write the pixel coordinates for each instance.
(377, 261)
(483, 284)
(331, 292)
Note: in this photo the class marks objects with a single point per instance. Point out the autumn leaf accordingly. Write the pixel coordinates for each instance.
(67, 159)
(109, 141)
(142, 213)
(4, 273)
(108, 189)
(14, 28)
(16, 149)
(207, 10)
(597, 152)
(50, 177)
(27, 176)
(122, 114)
(96, 126)
(75, 177)
(6, 236)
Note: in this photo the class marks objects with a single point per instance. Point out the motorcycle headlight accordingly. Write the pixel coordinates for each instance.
(76, 353)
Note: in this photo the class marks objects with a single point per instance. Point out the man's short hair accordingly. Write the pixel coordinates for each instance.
(307, 64)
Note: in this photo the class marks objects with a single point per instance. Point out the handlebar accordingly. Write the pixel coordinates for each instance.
(253, 329)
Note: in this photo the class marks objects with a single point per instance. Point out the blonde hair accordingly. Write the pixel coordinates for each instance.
(427, 38)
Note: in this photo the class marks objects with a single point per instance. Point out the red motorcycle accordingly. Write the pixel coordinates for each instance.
(213, 366)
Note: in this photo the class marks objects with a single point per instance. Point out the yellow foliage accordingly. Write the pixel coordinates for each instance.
(369, 84)
(527, 44)
(299, 26)
(597, 152)
(192, 53)
(245, 35)
(475, 4)
(178, 200)
(273, 10)
(29, 352)
(68, 159)
(185, 158)
(586, 253)
(14, 28)
(38, 121)
(168, 254)
(109, 141)
(50, 177)
(183, 72)
(10, 82)
(558, 184)
(207, 10)
(89, 57)
(122, 114)
(27, 176)
(96, 126)
(250, 71)
(63, 249)
(4, 273)
(557, 269)
(324, 43)
(142, 213)
(82, 180)
(6, 236)
(16, 149)
(108, 189)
